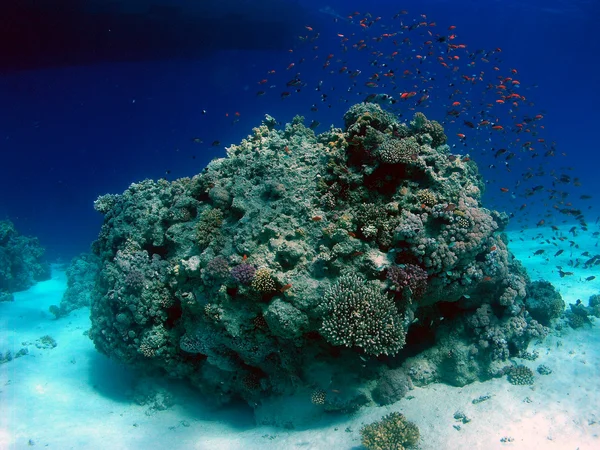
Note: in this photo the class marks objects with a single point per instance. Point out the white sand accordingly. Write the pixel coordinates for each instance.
(71, 397)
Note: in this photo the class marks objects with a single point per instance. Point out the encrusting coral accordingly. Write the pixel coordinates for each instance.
(302, 262)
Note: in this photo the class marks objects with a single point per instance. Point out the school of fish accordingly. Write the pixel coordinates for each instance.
(408, 63)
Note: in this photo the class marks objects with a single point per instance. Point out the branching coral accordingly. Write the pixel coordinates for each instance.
(358, 315)
(393, 431)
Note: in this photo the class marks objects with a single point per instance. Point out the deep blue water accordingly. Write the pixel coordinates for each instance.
(83, 123)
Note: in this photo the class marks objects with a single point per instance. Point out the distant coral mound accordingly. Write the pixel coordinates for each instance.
(313, 266)
(81, 277)
(22, 261)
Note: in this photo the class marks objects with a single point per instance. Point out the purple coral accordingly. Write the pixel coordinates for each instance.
(243, 273)
(408, 276)
(217, 268)
(134, 280)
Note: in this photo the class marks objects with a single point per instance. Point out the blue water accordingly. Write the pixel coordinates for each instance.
(72, 132)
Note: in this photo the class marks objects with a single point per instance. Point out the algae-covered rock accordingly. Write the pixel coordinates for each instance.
(305, 263)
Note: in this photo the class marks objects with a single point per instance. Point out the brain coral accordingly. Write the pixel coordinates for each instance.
(311, 225)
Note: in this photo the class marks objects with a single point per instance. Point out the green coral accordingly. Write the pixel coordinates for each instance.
(209, 226)
(359, 315)
(392, 432)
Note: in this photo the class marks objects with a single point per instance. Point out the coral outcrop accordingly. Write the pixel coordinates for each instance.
(81, 277)
(22, 262)
(303, 264)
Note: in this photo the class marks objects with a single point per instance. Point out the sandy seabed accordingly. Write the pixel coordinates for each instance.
(71, 397)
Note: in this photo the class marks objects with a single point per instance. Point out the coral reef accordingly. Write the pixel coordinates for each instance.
(543, 301)
(342, 267)
(81, 276)
(22, 261)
